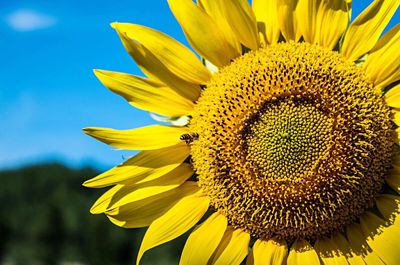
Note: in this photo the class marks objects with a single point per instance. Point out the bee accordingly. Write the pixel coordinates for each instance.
(189, 137)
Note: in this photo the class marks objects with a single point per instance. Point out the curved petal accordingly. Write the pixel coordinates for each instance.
(328, 252)
(143, 212)
(242, 20)
(382, 65)
(306, 12)
(333, 18)
(267, 20)
(359, 245)
(343, 247)
(367, 27)
(145, 166)
(382, 238)
(396, 116)
(174, 55)
(154, 67)
(203, 34)
(389, 207)
(204, 240)
(100, 205)
(215, 9)
(273, 251)
(137, 192)
(146, 94)
(287, 19)
(392, 97)
(232, 249)
(302, 253)
(144, 138)
(176, 221)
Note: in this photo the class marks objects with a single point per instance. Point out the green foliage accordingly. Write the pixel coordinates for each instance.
(45, 220)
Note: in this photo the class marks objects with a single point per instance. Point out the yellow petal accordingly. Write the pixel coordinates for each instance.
(273, 251)
(383, 239)
(242, 20)
(306, 12)
(137, 192)
(389, 206)
(176, 221)
(396, 116)
(382, 64)
(232, 249)
(392, 97)
(175, 56)
(267, 20)
(203, 33)
(145, 138)
(102, 202)
(393, 179)
(204, 240)
(145, 166)
(143, 212)
(367, 27)
(155, 68)
(146, 94)
(333, 18)
(343, 247)
(124, 194)
(302, 253)
(358, 243)
(215, 9)
(287, 19)
(328, 252)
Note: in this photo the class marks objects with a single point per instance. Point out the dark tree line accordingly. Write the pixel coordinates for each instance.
(45, 220)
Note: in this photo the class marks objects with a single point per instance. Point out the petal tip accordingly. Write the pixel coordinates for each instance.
(99, 72)
(94, 210)
(87, 184)
(88, 130)
(114, 25)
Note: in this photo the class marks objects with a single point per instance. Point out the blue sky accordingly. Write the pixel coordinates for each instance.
(47, 89)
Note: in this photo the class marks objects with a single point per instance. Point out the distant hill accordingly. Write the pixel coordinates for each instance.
(45, 220)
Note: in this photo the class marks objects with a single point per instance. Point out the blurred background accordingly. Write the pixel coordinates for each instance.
(48, 93)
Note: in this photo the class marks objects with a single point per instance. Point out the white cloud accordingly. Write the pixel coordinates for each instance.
(29, 20)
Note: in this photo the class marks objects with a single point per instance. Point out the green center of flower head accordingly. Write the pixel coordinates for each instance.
(292, 142)
(287, 138)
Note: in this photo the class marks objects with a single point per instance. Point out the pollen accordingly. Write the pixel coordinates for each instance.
(291, 141)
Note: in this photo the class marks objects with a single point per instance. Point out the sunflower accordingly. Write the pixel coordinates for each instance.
(279, 145)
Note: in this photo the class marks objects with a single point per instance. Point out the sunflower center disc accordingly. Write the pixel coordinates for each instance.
(293, 142)
(287, 138)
